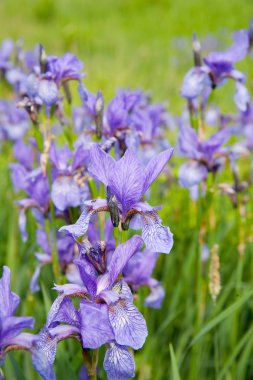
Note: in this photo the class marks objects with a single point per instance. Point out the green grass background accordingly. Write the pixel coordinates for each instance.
(143, 44)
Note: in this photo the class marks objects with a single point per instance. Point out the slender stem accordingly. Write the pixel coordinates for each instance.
(55, 257)
(94, 363)
(216, 353)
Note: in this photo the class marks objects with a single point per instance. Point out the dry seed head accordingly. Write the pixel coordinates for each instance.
(214, 273)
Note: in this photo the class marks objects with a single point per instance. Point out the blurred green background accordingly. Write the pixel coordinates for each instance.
(124, 43)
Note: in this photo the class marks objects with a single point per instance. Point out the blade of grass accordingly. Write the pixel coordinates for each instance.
(235, 353)
(174, 366)
(223, 315)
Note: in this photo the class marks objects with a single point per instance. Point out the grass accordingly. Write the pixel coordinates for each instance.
(145, 44)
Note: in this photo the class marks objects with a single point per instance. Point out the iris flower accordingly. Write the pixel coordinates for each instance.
(126, 180)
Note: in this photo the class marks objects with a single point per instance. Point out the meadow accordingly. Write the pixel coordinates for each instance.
(203, 327)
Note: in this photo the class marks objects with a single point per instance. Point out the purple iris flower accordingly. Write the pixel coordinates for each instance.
(137, 273)
(45, 343)
(119, 110)
(83, 117)
(101, 285)
(135, 121)
(218, 67)
(11, 336)
(69, 188)
(126, 181)
(64, 68)
(25, 155)
(204, 155)
(14, 122)
(37, 188)
(106, 315)
(44, 87)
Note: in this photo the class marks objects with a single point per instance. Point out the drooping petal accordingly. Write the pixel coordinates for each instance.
(65, 193)
(156, 296)
(43, 355)
(128, 324)
(8, 300)
(80, 227)
(195, 81)
(118, 363)
(121, 256)
(12, 326)
(48, 92)
(235, 53)
(157, 238)
(101, 164)
(241, 97)
(34, 285)
(95, 326)
(126, 181)
(155, 167)
(23, 340)
(70, 289)
(191, 173)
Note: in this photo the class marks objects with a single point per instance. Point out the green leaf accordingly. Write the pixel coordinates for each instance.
(223, 315)
(174, 366)
(236, 351)
(17, 370)
(46, 298)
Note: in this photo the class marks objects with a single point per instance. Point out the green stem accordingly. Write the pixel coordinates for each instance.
(216, 353)
(54, 250)
(94, 363)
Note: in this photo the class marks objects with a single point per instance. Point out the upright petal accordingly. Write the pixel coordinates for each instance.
(188, 142)
(157, 238)
(95, 325)
(8, 301)
(118, 362)
(155, 167)
(101, 164)
(126, 181)
(128, 324)
(121, 256)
